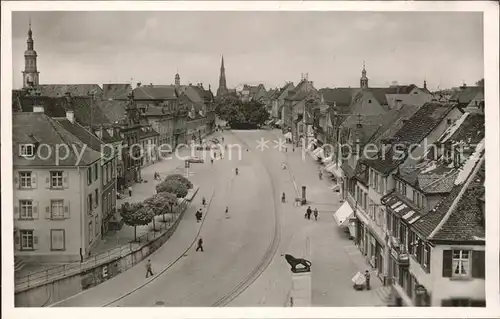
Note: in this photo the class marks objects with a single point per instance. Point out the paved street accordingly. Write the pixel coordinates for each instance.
(235, 246)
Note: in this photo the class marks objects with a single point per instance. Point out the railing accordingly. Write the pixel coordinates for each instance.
(52, 274)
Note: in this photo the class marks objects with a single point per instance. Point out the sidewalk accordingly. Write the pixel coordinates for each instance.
(335, 258)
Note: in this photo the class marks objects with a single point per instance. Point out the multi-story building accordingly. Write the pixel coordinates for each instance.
(149, 140)
(434, 211)
(405, 148)
(57, 206)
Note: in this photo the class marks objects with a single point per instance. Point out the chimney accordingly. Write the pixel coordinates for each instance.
(70, 115)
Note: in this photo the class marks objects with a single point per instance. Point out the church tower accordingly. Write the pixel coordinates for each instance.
(177, 80)
(222, 80)
(363, 82)
(30, 73)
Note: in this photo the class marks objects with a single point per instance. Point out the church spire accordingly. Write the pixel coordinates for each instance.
(363, 82)
(222, 79)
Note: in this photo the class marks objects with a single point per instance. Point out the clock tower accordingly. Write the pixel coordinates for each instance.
(30, 73)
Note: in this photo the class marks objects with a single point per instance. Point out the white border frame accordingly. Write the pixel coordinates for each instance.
(491, 68)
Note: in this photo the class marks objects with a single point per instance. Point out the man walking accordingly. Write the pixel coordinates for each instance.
(309, 212)
(200, 244)
(130, 191)
(148, 269)
(315, 214)
(227, 212)
(367, 278)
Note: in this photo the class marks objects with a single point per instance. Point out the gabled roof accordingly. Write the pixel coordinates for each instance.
(465, 94)
(461, 222)
(339, 96)
(413, 132)
(31, 127)
(155, 92)
(86, 110)
(59, 90)
(468, 130)
(116, 91)
(380, 93)
(84, 135)
(114, 110)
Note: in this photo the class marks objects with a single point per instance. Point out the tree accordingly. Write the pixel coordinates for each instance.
(248, 114)
(180, 178)
(171, 200)
(172, 186)
(157, 204)
(135, 214)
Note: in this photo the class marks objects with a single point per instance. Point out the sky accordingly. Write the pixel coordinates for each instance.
(445, 48)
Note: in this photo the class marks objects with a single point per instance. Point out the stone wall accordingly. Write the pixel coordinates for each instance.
(43, 295)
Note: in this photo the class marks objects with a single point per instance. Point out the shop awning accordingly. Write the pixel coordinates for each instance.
(334, 169)
(343, 214)
(288, 135)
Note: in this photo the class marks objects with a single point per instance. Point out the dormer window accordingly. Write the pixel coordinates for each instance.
(26, 150)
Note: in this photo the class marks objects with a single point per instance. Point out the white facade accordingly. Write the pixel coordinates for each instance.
(57, 212)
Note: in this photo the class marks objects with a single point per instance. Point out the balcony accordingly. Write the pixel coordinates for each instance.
(400, 254)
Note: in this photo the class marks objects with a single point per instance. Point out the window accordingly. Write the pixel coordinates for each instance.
(460, 263)
(96, 172)
(27, 240)
(91, 232)
(25, 209)
(25, 179)
(107, 173)
(375, 181)
(89, 203)
(56, 179)
(402, 237)
(96, 226)
(388, 221)
(89, 175)
(96, 197)
(364, 201)
(27, 150)
(57, 239)
(449, 121)
(57, 209)
(426, 257)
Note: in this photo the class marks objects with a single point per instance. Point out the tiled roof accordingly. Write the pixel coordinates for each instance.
(394, 122)
(86, 110)
(465, 94)
(114, 110)
(31, 127)
(413, 132)
(155, 92)
(84, 135)
(380, 93)
(341, 96)
(59, 90)
(116, 91)
(469, 129)
(463, 223)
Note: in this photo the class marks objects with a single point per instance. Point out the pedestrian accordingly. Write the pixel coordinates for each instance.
(212, 161)
(320, 175)
(286, 149)
(200, 244)
(315, 214)
(223, 139)
(148, 269)
(309, 212)
(130, 191)
(227, 212)
(367, 278)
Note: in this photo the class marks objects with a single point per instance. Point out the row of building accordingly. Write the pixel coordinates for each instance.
(409, 167)
(76, 147)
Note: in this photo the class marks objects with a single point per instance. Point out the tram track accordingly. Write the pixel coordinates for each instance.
(268, 255)
(170, 265)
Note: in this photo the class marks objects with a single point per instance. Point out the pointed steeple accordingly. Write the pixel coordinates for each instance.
(363, 82)
(222, 79)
